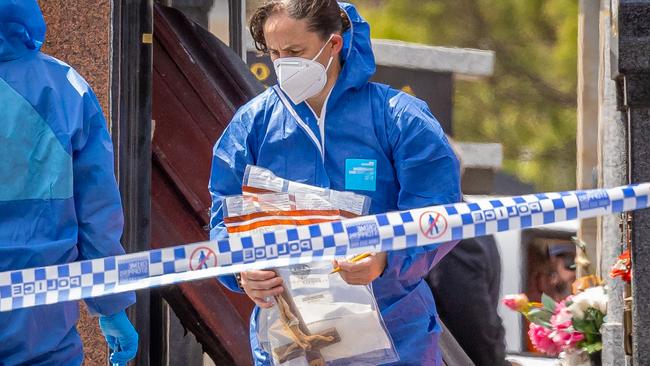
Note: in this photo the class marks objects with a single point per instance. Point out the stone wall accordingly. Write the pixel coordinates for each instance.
(634, 69)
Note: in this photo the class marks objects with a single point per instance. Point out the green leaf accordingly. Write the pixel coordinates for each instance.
(540, 317)
(549, 303)
(591, 322)
(584, 326)
(544, 311)
(543, 323)
(595, 316)
(593, 348)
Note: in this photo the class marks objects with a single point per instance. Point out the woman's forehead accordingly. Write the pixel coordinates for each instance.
(283, 32)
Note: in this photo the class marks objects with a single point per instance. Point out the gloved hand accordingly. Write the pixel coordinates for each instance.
(121, 337)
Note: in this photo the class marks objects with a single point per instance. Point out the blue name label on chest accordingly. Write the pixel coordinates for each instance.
(361, 174)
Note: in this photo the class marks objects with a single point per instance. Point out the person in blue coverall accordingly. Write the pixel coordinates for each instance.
(326, 125)
(59, 200)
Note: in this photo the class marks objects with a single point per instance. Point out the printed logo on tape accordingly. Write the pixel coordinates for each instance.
(505, 212)
(133, 269)
(203, 258)
(43, 286)
(271, 251)
(593, 199)
(433, 224)
(363, 234)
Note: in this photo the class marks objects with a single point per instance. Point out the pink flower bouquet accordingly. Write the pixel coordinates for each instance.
(570, 326)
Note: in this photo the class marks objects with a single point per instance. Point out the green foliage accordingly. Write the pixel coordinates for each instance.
(529, 105)
(540, 316)
(549, 303)
(593, 348)
(590, 326)
(591, 322)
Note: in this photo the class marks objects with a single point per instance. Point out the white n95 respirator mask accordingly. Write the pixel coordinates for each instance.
(302, 78)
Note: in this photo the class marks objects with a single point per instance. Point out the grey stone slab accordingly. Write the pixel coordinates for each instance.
(634, 55)
(458, 61)
(637, 89)
(612, 333)
(634, 36)
(632, 2)
(612, 166)
(641, 287)
(640, 170)
(634, 19)
(462, 61)
(481, 155)
(640, 135)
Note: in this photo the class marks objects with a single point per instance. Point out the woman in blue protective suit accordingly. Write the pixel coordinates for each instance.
(59, 200)
(325, 124)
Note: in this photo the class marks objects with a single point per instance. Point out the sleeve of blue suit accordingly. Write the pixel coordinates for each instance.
(97, 199)
(428, 173)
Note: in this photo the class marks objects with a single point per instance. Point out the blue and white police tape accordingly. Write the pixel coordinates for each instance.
(383, 232)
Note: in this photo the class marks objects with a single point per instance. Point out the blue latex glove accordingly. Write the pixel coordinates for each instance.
(121, 337)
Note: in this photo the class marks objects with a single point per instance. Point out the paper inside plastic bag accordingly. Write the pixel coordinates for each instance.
(321, 310)
(350, 310)
(260, 180)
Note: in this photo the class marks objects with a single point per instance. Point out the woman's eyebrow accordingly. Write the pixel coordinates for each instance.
(291, 47)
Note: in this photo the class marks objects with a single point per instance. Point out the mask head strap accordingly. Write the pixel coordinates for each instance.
(323, 48)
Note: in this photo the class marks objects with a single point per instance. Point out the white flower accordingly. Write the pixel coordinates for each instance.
(578, 310)
(579, 306)
(593, 297)
(574, 358)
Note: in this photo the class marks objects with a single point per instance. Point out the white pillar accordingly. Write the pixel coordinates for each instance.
(587, 134)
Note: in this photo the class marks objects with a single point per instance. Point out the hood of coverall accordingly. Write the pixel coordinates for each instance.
(357, 58)
(22, 28)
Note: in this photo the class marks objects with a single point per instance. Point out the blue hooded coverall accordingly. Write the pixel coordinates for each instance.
(59, 200)
(367, 124)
